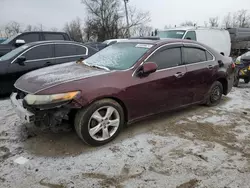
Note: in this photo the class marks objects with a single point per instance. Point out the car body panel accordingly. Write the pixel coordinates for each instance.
(140, 96)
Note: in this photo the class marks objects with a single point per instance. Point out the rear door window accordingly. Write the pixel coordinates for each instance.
(29, 37)
(62, 50)
(166, 58)
(81, 50)
(191, 35)
(40, 52)
(209, 56)
(53, 36)
(194, 55)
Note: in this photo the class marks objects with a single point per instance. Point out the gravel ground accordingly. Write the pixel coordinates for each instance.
(194, 147)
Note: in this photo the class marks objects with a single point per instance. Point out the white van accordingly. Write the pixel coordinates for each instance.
(218, 39)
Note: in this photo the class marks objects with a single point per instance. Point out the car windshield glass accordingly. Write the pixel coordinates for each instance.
(13, 53)
(177, 34)
(9, 39)
(119, 56)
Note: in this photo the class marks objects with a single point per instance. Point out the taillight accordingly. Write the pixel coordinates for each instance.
(233, 65)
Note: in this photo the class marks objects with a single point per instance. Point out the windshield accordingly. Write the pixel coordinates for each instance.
(119, 56)
(9, 39)
(13, 53)
(177, 34)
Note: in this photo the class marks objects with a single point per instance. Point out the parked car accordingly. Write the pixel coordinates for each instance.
(27, 37)
(242, 69)
(123, 83)
(36, 55)
(216, 38)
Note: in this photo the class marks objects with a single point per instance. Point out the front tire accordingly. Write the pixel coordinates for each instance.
(100, 122)
(215, 94)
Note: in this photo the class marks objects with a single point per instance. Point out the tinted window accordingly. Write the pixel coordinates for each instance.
(191, 35)
(80, 50)
(32, 37)
(194, 55)
(53, 36)
(40, 52)
(65, 50)
(209, 56)
(166, 58)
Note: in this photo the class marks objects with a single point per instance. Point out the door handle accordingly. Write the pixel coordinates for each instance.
(179, 74)
(210, 67)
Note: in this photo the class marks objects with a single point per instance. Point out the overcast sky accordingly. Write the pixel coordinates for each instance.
(54, 13)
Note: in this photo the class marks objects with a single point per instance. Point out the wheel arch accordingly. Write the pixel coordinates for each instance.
(119, 101)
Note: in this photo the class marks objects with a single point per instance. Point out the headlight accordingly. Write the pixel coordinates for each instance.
(47, 99)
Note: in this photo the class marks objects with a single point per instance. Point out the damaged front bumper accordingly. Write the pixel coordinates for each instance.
(43, 116)
(23, 113)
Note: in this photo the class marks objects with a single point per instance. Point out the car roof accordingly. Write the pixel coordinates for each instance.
(53, 41)
(192, 28)
(160, 42)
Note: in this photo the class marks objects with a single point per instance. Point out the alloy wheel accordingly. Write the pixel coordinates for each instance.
(216, 94)
(104, 123)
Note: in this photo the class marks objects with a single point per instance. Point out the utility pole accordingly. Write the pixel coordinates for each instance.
(126, 11)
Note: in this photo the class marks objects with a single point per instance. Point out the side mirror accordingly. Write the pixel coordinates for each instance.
(20, 60)
(147, 68)
(19, 42)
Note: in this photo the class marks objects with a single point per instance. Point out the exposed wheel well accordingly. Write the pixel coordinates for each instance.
(224, 83)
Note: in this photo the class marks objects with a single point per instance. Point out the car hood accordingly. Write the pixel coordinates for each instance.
(51, 76)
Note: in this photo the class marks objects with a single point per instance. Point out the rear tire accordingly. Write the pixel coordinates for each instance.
(100, 122)
(214, 94)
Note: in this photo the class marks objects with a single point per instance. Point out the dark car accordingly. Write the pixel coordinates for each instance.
(123, 83)
(36, 55)
(27, 37)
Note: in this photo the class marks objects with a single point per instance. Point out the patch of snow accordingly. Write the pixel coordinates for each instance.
(21, 160)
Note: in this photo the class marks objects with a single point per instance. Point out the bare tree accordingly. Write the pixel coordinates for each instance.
(214, 22)
(240, 18)
(243, 18)
(106, 19)
(54, 29)
(188, 23)
(227, 21)
(74, 29)
(12, 28)
(142, 30)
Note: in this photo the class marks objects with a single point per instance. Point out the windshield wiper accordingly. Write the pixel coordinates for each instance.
(97, 66)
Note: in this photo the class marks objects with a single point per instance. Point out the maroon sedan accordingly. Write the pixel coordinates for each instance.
(121, 84)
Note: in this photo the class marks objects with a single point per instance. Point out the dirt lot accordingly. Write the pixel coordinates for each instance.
(194, 147)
